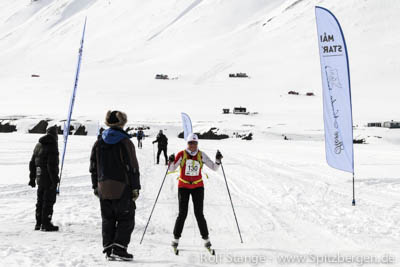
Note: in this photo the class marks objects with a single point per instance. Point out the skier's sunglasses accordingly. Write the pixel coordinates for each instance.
(192, 143)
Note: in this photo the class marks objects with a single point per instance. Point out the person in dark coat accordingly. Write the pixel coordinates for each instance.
(140, 137)
(162, 141)
(116, 181)
(43, 171)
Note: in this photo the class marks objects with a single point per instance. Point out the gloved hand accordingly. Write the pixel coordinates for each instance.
(135, 194)
(171, 158)
(32, 183)
(96, 192)
(218, 157)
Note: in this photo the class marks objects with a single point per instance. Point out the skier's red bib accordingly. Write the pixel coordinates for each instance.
(190, 173)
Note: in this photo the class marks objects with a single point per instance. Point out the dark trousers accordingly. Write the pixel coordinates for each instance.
(140, 145)
(198, 201)
(162, 149)
(118, 220)
(46, 198)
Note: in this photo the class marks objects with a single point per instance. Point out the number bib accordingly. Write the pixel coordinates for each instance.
(192, 168)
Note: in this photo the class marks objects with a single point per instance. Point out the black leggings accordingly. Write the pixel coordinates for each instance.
(162, 149)
(198, 201)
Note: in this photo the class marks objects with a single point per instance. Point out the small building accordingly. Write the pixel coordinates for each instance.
(162, 77)
(226, 111)
(242, 75)
(240, 110)
(392, 124)
(293, 93)
(310, 94)
(374, 124)
(238, 75)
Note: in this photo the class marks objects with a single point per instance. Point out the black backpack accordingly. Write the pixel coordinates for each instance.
(113, 162)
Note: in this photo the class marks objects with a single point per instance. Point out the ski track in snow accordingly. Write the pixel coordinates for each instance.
(182, 14)
(282, 209)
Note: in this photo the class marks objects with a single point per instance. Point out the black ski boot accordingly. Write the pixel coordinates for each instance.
(120, 253)
(174, 245)
(49, 228)
(207, 245)
(37, 227)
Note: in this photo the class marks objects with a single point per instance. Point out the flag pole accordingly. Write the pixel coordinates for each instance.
(354, 194)
(67, 125)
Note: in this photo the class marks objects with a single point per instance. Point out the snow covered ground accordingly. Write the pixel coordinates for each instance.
(288, 201)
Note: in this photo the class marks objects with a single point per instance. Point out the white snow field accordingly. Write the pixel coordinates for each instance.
(288, 201)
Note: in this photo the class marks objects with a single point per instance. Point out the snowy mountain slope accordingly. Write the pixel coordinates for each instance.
(128, 42)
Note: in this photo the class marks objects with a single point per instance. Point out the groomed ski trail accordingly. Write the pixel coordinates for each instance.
(285, 207)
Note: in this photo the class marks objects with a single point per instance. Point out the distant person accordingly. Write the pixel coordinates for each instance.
(191, 161)
(140, 137)
(116, 181)
(162, 141)
(43, 169)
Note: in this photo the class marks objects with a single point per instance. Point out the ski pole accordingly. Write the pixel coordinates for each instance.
(155, 202)
(229, 193)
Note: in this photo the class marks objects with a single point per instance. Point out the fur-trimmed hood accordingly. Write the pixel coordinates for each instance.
(116, 119)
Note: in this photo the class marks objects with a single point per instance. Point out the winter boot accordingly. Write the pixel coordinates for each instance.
(108, 250)
(175, 243)
(207, 243)
(120, 253)
(38, 221)
(49, 227)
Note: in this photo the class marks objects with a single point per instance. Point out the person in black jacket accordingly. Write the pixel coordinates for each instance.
(43, 169)
(140, 137)
(116, 181)
(162, 141)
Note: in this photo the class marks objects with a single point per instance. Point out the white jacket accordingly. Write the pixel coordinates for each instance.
(206, 160)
